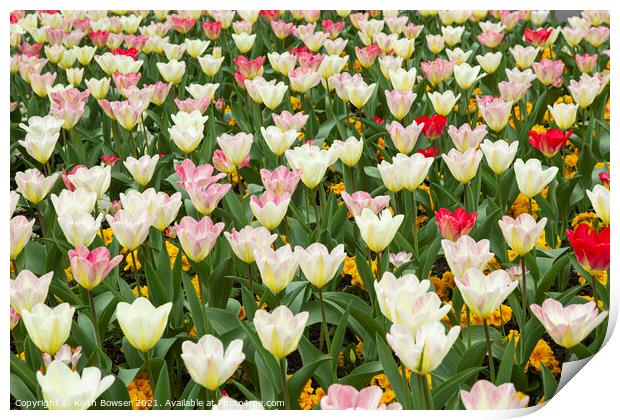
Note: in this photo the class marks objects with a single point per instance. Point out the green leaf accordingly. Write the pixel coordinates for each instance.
(443, 392)
(550, 384)
(504, 373)
(162, 391)
(297, 382)
(393, 373)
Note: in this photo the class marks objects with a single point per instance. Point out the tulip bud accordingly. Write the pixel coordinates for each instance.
(48, 328)
(142, 323)
(280, 331)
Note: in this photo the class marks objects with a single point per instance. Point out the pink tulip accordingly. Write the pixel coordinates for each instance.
(549, 72)
(346, 397)
(281, 180)
(437, 71)
(222, 164)
(453, 225)
(286, 121)
(206, 199)
(307, 60)
(465, 138)
(246, 240)
(197, 238)
(585, 62)
(361, 200)
(513, 91)
(124, 81)
(188, 172)
(490, 39)
(495, 112)
(367, 55)
(130, 230)
(400, 259)
(250, 69)
(404, 138)
(68, 105)
(282, 29)
(127, 113)
(270, 208)
(399, 103)
(486, 396)
(28, 290)
(89, 268)
(160, 92)
(190, 104)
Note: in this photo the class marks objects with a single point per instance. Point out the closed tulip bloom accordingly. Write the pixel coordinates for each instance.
(41, 136)
(64, 388)
(236, 148)
(281, 180)
(197, 238)
(282, 63)
(465, 137)
(48, 328)
(361, 200)
(14, 201)
(591, 247)
(318, 264)
(207, 362)
(98, 87)
(549, 72)
(346, 397)
(499, 155)
(130, 230)
(210, 65)
(172, 71)
(358, 94)
(40, 83)
(20, 232)
(270, 95)
(287, 121)
(142, 323)
(392, 63)
(585, 91)
(402, 80)
(568, 325)
(400, 259)
(466, 75)
(522, 233)
(80, 229)
(96, 179)
(206, 91)
(68, 105)
(187, 131)
(407, 301)
(246, 240)
(378, 230)
(531, 178)
(513, 91)
(331, 64)
(424, 351)
(142, 169)
(463, 165)
(495, 112)
(27, 290)
(78, 201)
(484, 395)
(270, 208)
(33, 185)
(399, 102)
(484, 293)
(452, 35)
(206, 199)
(313, 162)
(524, 56)
(89, 268)
(489, 61)
(280, 331)
(277, 267)
(278, 141)
(165, 209)
(453, 225)
(599, 197)
(466, 253)
(404, 138)
(303, 79)
(349, 151)
(564, 115)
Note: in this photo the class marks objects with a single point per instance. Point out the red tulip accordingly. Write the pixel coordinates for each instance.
(130, 52)
(537, 37)
(433, 125)
(550, 142)
(429, 152)
(604, 177)
(212, 29)
(591, 247)
(99, 38)
(453, 225)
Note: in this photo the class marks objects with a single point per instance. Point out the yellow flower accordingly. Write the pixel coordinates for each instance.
(547, 53)
(107, 235)
(130, 260)
(543, 355)
(588, 218)
(350, 268)
(140, 393)
(143, 289)
(69, 274)
(196, 286)
(295, 103)
(443, 285)
(600, 276)
(309, 397)
(337, 188)
(173, 251)
(232, 122)
(522, 205)
(501, 316)
(599, 303)
(357, 66)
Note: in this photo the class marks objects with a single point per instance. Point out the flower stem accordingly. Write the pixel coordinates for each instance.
(489, 350)
(149, 371)
(287, 402)
(134, 270)
(468, 314)
(324, 326)
(414, 204)
(499, 194)
(523, 286)
(93, 314)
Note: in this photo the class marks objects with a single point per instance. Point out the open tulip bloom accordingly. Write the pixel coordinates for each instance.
(306, 209)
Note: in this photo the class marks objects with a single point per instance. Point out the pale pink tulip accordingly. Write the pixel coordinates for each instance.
(197, 238)
(345, 397)
(281, 180)
(89, 268)
(361, 200)
(465, 138)
(486, 396)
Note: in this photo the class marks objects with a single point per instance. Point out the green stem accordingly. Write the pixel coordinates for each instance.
(287, 402)
(134, 270)
(523, 286)
(93, 314)
(468, 314)
(415, 225)
(489, 349)
(325, 327)
(499, 194)
(149, 371)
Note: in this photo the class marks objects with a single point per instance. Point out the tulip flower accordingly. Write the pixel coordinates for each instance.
(64, 388)
(378, 230)
(549, 142)
(278, 141)
(142, 169)
(270, 208)
(489, 61)
(360, 200)
(531, 178)
(236, 148)
(313, 162)
(68, 105)
(41, 136)
(165, 209)
(432, 126)
(499, 155)
(14, 201)
(270, 95)
(80, 229)
(286, 121)
(209, 64)
(524, 56)
(484, 395)
(466, 253)
(172, 71)
(280, 331)
(404, 138)
(96, 179)
(599, 197)
(359, 93)
(33, 185)
(349, 151)
(188, 173)
(466, 75)
(407, 301)
(187, 131)
(346, 397)
(400, 259)
(48, 328)
(246, 240)
(89, 268)
(20, 232)
(142, 323)
(318, 264)
(465, 137)
(495, 112)
(27, 290)
(564, 115)
(522, 233)
(207, 362)
(206, 198)
(402, 80)
(463, 165)
(197, 238)
(399, 103)
(484, 293)
(453, 225)
(585, 91)
(424, 351)
(277, 267)
(568, 325)
(75, 202)
(591, 247)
